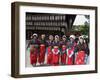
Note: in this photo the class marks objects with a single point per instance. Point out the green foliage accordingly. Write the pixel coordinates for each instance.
(84, 29)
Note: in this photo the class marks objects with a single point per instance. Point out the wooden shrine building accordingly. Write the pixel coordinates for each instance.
(46, 23)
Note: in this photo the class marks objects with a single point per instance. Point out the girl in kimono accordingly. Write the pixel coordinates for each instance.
(63, 50)
(71, 50)
(49, 50)
(81, 51)
(42, 50)
(34, 43)
(56, 51)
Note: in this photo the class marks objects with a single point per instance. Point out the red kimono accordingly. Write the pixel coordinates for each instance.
(42, 53)
(70, 53)
(63, 55)
(55, 56)
(49, 56)
(69, 57)
(80, 58)
(33, 54)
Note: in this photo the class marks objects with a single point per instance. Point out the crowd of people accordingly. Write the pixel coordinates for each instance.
(58, 50)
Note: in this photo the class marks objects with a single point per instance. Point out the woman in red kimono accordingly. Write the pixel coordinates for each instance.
(56, 51)
(63, 50)
(42, 50)
(49, 55)
(33, 55)
(80, 58)
(55, 56)
(81, 51)
(34, 50)
(49, 50)
(71, 50)
(63, 55)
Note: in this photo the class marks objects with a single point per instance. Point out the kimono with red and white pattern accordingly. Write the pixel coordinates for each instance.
(70, 53)
(80, 58)
(81, 53)
(55, 56)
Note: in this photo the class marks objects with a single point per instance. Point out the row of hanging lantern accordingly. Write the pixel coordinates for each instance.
(43, 28)
(46, 17)
(45, 23)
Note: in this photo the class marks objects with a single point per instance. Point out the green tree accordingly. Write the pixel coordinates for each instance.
(84, 29)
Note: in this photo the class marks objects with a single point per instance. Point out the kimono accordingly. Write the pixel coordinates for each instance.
(49, 52)
(81, 53)
(55, 54)
(63, 52)
(42, 51)
(33, 55)
(80, 58)
(33, 51)
(70, 53)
